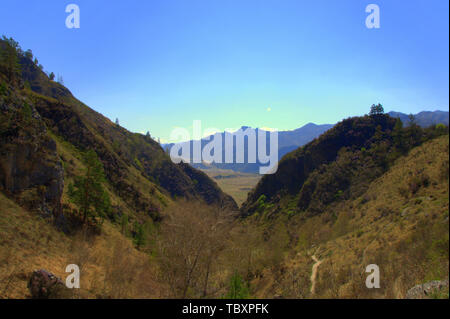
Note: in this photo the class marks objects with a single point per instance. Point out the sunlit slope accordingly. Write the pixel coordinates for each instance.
(110, 265)
(400, 223)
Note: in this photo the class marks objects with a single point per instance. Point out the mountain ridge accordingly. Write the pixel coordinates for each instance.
(34, 101)
(424, 118)
(290, 140)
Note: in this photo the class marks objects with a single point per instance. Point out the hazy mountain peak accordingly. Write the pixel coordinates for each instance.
(424, 118)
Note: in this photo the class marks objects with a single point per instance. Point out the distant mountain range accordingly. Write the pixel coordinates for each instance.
(291, 140)
(423, 119)
(287, 142)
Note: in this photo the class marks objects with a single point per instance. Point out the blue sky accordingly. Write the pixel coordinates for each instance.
(158, 64)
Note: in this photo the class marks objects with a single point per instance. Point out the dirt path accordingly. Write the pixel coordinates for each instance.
(316, 265)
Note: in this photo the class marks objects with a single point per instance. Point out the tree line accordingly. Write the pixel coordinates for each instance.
(10, 54)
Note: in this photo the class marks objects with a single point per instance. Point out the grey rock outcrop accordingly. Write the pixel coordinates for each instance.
(30, 168)
(425, 291)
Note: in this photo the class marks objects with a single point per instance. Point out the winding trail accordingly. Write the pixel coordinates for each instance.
(316, 265)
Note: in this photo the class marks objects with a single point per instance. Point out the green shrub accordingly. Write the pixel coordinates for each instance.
(238, 288)
(261, 203)
(440, 127)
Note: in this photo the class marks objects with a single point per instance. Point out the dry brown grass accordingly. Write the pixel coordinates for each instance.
(400, 224)
(110, 266)
(27, 243)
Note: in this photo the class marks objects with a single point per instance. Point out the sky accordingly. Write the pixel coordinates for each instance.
(161, 64)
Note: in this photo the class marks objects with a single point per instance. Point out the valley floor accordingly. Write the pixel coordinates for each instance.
(235, 184)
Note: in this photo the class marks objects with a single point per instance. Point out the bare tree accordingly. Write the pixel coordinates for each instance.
(192, 237)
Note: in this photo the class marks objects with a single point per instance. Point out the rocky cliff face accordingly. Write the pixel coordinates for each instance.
(30, 168)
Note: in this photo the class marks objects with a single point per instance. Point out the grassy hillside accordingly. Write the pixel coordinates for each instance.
(368, 191)
(110, 264)
(45, 134)
(400, 222)
(338, 165)
(295, 168)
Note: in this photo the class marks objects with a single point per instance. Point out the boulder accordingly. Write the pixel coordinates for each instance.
(45, 285)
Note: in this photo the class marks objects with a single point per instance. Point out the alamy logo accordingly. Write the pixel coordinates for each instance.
(73, 19)
(246, 145)
(373, 280)
(73, 280)
(373, 19)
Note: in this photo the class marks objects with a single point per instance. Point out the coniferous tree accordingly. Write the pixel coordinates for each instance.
(29, 54)
(376, 109)
(87, 191)
(9, 60)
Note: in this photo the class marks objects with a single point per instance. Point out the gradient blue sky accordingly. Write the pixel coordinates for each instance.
(161, 64)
